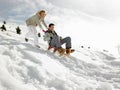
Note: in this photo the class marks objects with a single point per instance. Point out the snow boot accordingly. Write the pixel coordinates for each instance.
(39, 35)
(68, 51)
(72, 50)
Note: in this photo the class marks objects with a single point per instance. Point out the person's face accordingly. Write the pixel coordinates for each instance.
(51, 28)
(43, 15)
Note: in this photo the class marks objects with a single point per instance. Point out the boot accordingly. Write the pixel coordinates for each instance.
(68, 51)
(61, 51)
(72, 50)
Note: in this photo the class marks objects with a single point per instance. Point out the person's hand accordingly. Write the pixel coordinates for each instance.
(51, 38)
(44, 31)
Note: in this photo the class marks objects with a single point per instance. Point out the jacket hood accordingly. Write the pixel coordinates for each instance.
(38, 14)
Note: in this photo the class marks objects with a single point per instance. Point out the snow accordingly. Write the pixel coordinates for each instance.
(25, 67)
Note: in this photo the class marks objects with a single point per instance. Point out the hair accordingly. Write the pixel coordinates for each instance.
(51, 24)
(42, 11)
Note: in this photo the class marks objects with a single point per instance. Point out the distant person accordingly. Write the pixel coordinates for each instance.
(32, 23)
(3, 28)
(56, 41)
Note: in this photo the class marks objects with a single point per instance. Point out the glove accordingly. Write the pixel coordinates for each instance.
(51, 38)
(44, 31)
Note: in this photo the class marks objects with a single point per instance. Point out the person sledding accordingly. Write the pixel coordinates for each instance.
(32, 23)
(55, 41)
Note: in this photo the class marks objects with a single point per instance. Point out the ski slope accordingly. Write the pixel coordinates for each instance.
(25, 67)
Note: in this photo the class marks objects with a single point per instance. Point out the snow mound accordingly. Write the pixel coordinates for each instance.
(25, 67)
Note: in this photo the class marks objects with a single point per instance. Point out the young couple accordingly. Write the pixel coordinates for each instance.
(53, 39)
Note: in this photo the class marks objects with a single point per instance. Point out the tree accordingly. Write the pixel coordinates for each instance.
(18, 30)
(3, 28)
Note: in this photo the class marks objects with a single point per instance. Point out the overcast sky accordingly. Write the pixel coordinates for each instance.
(19, 10)
(104, 8)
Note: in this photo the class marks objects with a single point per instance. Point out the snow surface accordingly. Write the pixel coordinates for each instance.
(25, 67)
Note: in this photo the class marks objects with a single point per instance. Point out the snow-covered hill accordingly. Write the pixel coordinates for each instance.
(25, 67)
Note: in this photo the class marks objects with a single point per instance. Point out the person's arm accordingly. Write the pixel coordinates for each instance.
(44, 24)
(47, 37)
(39, 24)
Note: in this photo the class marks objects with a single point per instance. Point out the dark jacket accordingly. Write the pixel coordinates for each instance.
(49, 35)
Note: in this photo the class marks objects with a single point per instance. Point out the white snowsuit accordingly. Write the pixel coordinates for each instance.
(31, 23)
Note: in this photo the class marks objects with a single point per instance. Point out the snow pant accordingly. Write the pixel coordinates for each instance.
(56, 42)
(32, 33)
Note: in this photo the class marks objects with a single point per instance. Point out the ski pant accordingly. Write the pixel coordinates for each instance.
(56, 42)
(32, 33)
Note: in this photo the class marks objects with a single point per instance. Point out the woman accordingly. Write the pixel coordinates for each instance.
(32, 23)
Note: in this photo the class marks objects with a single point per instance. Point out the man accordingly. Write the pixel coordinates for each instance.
(56, 41)
(32, 23)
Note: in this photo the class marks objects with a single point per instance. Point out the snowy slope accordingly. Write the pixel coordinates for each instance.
(24, 67)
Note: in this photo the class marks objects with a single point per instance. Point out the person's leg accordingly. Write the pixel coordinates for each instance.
(29, 33)
(67, 41)
(55, 42)
(35, 36)
(32, 33)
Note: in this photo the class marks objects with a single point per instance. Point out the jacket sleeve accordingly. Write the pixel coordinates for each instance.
(47, 37)
(38, 22)
(44, 23)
